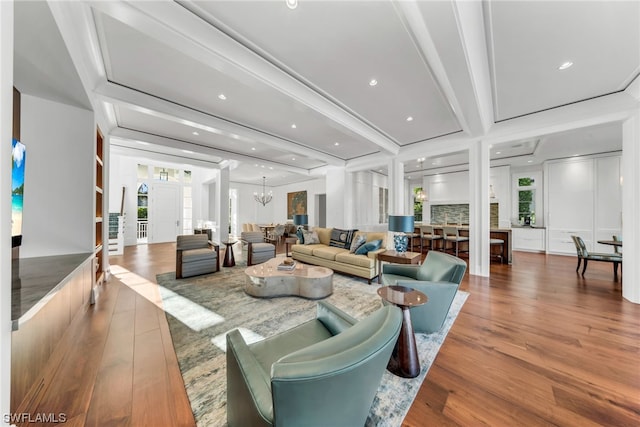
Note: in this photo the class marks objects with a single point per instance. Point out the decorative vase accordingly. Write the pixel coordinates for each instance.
(401, 242)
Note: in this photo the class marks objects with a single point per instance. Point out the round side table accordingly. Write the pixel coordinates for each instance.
(229, 260)
(404, 360)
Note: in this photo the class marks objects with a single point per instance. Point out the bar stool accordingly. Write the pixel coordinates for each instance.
(452, 235)
(427, 233)
(497, 242)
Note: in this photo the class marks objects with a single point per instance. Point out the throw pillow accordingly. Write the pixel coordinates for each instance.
(300, 236)
(310, 237)
(341, 238)
(368, 247)
(358, 241)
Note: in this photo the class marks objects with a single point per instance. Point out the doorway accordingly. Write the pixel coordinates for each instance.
(164, 213)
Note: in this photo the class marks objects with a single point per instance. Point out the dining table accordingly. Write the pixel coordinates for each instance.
(617, 243)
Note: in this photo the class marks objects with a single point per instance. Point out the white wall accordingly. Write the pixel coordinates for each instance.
(58, 213)
(366, 201)
(6, 123)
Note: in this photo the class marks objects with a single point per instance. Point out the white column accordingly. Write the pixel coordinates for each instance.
(336, 196)
(479, 209)
(631, 208)
(222, 196)
(6, 124)
(396, 188)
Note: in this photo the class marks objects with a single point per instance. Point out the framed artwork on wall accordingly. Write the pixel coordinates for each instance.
(296, 203)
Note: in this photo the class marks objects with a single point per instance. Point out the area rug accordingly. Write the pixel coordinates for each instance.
(201, 310)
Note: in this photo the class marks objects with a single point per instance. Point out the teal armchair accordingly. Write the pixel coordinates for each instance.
(324, 372)
(438, 278)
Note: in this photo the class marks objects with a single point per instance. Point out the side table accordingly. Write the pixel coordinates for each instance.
(404, 359)
(397, 258)
(288, 241)
(229, 260)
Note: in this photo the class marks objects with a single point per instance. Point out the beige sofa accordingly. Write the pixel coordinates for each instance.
(339, 259)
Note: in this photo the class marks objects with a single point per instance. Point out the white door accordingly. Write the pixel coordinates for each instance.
(164, 212)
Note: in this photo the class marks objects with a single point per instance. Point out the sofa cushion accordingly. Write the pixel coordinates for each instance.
(369, 246)
(304, 249)
(353, 259)
(341, 238)
(300, 236)
(310, 238)
(324, 234)
(327, 252)
(358, 240)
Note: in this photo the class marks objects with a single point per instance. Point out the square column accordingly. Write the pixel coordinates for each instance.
(631, 208)
(479, 209)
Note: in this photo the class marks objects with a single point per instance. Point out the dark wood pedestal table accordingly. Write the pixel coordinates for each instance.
(404, 359)
(229, 260)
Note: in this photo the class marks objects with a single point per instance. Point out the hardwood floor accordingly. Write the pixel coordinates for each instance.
(535, 344)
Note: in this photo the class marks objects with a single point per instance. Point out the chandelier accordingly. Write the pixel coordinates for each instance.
(263, 198)
(421, 196)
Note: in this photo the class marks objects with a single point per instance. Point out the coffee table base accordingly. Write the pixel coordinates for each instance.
(266, 281)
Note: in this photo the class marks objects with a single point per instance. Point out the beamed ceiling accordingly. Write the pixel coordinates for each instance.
(271, 91)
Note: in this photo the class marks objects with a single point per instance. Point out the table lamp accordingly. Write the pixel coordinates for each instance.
(301, 220)
(401, 224)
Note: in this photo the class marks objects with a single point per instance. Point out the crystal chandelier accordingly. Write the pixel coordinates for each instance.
(263, 198)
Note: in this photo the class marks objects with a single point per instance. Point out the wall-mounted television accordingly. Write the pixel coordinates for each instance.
(18, 157)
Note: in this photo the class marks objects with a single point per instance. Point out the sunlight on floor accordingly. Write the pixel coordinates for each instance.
(249, 336)
(192, 315)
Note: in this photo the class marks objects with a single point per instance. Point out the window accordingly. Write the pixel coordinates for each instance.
(417, 204)
(383, 205)
(526, 200)
(143, 203)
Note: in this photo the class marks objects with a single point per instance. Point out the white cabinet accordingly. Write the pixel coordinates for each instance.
(528, 239)
(583, 198)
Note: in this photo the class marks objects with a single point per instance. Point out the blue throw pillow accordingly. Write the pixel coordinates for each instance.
(368, 247)
(300, 236)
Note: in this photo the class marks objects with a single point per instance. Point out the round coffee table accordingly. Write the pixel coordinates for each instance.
(306, 281)
(404, 359)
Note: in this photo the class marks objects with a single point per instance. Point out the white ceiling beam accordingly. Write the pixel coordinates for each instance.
(456, 58)
(160, 108)
(134, 137)
(180, 28)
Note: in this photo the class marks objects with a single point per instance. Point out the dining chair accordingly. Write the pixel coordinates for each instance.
(584, 255)
(452, 234)
(617, 249)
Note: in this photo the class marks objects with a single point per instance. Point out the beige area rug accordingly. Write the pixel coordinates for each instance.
(201, 310)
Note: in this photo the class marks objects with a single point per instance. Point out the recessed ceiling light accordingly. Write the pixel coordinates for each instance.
(222, 96)
(195, 133)
(271, 167)
(498, 152)
(253, 148)
(336, 143)
(565, 65)
(291, 4)
(293, 126)
(373, 82)
(293, 158)
(409, 119)
(529, 161)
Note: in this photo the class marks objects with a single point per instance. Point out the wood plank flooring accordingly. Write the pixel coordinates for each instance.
(535, 344)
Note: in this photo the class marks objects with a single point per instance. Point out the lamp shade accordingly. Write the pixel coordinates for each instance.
(401, 223)
(300, 219)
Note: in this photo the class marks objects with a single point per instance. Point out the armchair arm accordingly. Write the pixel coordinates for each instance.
(248, 385)
(411, 271)
(216, 247)
(334, 319)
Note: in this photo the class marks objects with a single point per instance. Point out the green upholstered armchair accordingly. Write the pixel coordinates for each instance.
(438, 278)
(324, 372)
